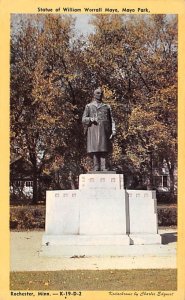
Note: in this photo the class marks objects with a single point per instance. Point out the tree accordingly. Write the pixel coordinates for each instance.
(136, 60)
(43, 109)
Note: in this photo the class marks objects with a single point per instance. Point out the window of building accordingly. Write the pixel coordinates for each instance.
(19, 183)
(161, 181)
(29, 183)
(165, 181)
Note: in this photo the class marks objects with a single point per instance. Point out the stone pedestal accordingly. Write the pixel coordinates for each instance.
(101, 181)
(103, 212)
(90, 221)
(100, 218)
(143, 217)
(62, 212)
(84, 245)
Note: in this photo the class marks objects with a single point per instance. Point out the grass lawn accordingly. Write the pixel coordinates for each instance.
(157, 279)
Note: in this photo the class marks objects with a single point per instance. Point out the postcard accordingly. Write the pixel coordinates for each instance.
(92, 138)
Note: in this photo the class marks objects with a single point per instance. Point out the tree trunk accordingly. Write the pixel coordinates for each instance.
(150, 187)
(35, 187)
(172, 183)
(171, 168)
(33, 159)
(72, 181)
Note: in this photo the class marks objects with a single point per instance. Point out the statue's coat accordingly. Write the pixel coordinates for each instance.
(98, 133)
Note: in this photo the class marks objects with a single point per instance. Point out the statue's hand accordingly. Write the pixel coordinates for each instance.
(112, 135)
(94, 120)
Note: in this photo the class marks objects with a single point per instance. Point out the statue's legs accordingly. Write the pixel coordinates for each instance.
(103, 161)
(96, 161)
(100, 161)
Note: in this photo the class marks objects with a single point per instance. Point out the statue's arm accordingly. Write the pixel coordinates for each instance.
(86, 119)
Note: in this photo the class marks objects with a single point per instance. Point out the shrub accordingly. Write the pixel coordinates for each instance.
(27, 217)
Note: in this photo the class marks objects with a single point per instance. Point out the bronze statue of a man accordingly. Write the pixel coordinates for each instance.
(100, 126)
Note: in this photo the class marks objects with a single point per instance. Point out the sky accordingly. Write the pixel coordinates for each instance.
(82, 24)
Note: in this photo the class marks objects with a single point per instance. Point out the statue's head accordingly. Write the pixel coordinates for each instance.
(98, 94)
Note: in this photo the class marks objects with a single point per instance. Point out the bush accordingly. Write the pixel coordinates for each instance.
(27, 217)
(20, 199)
(167, 216)
(165, 197)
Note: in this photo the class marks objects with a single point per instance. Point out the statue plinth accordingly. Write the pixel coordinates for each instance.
(100, 218)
